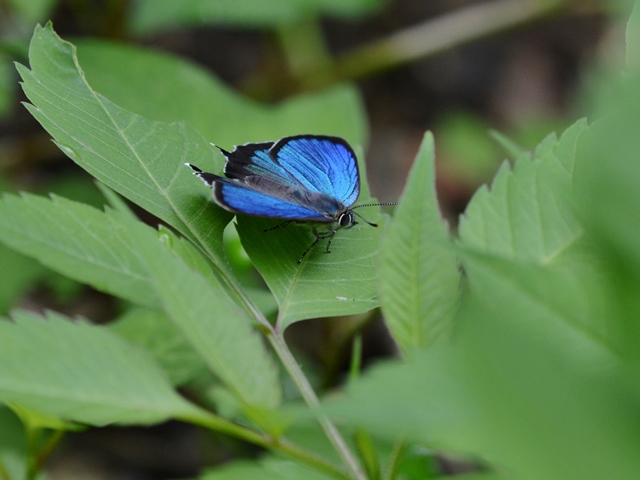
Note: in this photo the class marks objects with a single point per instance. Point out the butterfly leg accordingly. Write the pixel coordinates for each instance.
(283, 224)
(315, 242)
(330, 236)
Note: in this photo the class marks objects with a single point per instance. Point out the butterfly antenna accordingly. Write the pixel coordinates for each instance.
(371, 205)
(375, 205)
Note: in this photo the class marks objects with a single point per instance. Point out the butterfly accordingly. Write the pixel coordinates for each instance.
(302, 178)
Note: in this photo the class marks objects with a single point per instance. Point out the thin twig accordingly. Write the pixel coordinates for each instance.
(429, 38)
(312, 401)
(222, 425)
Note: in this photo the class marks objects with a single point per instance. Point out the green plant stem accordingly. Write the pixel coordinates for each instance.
(435, 36)
(426, 39)
(213, 422)
(396, 456)
(49, 447)
(33, 438)
(311, 399)
(297, 376)
(303, 45)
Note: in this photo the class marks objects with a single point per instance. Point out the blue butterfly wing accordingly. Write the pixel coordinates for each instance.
(251, 162)
(238, 197)
(306, 177)
(325, 165)
(321, 166)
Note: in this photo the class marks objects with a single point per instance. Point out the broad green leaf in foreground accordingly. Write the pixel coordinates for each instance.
(220, 114)
(508, 395)
(82, 373)
(342, 282)
(419, 278)
(78, 241)
(139, 158)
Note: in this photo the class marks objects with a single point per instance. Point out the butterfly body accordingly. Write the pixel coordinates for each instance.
(303, 178)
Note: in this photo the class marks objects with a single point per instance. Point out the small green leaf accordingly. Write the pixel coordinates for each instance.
(153, 331)
(78, 241)
(513, 149)
(116, 202)
(82, 373)
(419, 278)
(216, 327)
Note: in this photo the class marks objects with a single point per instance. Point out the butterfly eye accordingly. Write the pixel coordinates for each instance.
(346, 220)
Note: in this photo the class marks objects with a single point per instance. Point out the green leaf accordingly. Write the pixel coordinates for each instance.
(126, 258)
(155, 14)
(505, 391)
(419, 278)
(35, 420)
(607, 183)
(525, 215)
(343, 282)
(508, 395)
(154, 331)
(511, 147)
(609, 178)
(78, 241)
(565, 300)
(116, 202)
(522, 241)
(219, 113)
(82, 373)
(215, 326)
(139, 158)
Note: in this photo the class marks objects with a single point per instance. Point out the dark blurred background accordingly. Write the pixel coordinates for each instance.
(523, 77)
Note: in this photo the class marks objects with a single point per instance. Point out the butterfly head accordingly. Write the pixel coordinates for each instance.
(347, 219)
